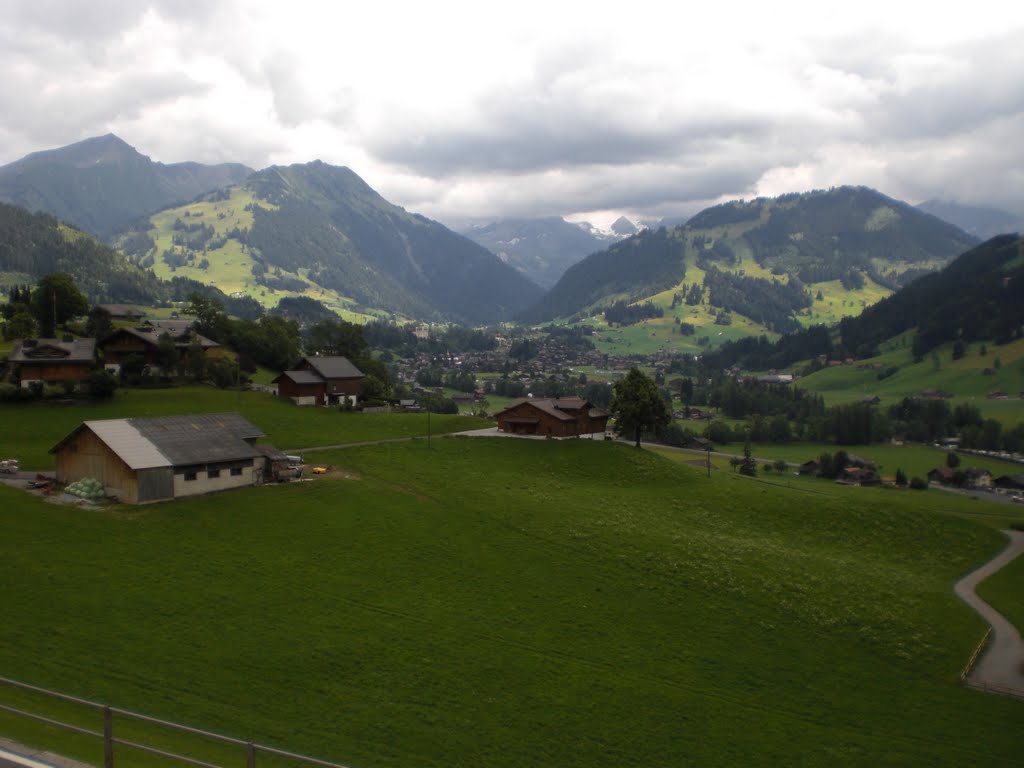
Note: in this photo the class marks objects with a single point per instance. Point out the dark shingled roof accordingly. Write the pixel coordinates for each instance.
(300, 377)
(200, 438)
(151, 335)
(74, 351)
(334, 367)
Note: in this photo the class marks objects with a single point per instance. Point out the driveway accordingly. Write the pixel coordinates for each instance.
(1002, 663)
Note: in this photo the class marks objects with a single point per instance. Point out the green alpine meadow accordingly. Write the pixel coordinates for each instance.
(481, 602)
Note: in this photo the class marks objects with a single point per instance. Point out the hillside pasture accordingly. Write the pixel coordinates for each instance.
(969, 379)
(504, 602)
(231, 264)
(31, 430)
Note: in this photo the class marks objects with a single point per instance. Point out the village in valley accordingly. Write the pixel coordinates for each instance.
(547, 384)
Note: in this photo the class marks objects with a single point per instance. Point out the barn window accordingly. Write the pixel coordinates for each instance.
(190, 475)
(213, 473)
(236, 471)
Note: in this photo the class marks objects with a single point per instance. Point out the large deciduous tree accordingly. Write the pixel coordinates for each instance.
(637, 405)
(55, 301)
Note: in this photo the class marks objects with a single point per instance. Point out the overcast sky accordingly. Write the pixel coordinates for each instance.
(477, 110)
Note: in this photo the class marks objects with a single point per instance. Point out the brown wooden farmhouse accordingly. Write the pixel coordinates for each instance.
(550, 417)
(144, 340)
(321, 381)
(53, 361)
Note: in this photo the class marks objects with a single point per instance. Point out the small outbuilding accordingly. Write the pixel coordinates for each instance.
(168, 457)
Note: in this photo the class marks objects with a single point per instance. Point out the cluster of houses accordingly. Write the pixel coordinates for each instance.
(858, 471)
(70, 361)
(863, 472)
(974, 479)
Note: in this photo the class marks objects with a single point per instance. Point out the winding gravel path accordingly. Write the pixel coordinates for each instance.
(1002, 663)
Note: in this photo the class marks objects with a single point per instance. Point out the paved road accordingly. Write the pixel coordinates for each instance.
(1002, 663)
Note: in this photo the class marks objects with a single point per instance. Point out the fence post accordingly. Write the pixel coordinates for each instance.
(250, 755)
(108, 738)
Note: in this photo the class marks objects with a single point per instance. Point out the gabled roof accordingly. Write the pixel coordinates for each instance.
(299, 377)
(150, 334)
(557, 407)
(122, 310)
(171, 326)
(73, 351)
(164, 441)
(334, 367)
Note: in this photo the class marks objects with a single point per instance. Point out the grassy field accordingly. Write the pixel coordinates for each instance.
(30, 431)
(517, 603)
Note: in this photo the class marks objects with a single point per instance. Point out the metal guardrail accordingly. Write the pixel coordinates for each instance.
(251, 749)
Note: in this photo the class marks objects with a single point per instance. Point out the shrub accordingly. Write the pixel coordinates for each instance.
(12, 393)
(102, 383)
(918, 484)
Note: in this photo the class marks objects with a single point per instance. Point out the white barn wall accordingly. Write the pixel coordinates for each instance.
(204, 484)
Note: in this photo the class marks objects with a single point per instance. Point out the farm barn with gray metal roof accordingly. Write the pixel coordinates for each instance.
(154, 459)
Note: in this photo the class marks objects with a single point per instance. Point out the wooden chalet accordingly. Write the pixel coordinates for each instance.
(154, 459)
(144, 340)
(321, 381)
(552, 417)
(53, 361)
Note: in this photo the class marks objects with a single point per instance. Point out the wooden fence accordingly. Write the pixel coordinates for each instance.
(981, 685)
(108, 715)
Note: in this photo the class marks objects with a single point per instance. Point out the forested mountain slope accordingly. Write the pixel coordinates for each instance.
(102, 184)
(314, 228)
(851, 236)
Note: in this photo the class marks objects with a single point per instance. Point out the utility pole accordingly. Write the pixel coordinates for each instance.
(709, 461)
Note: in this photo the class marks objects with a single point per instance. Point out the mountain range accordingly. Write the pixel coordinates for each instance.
(320, 231)
(542, 249)
(978, 297)
(855, 236)
(102, 184)
(978, 221)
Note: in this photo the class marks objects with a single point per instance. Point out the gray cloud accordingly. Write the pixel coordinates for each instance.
(70, 110)
(575, 119)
